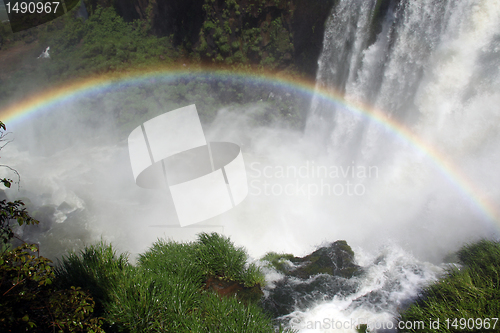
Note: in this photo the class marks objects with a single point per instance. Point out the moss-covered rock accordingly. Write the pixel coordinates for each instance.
(327, 272)
(336, 259)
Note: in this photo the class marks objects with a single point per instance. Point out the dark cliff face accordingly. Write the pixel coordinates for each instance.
(276, 34)
(308, 26)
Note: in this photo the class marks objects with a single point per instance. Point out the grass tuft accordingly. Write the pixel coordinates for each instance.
(470, 294)
(97, 269)
(167, 290)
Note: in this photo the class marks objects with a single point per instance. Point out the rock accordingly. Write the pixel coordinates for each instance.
(65, 207)
(232, 288)
(291, 293)
(336, 259)
(46, 216)
(327, 272)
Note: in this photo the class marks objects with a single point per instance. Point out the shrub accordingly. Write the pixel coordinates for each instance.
(30, 302)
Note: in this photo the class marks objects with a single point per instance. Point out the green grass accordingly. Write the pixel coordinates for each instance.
(278, 261)
(217, 256)
(147, 301)
(165, 291)
(97, 269)
(168, 256)
(471, 292)
(212, 255)
(231, 315)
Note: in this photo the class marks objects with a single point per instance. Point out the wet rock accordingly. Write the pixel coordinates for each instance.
(65, 207)
(46, 216)
(293, 293)
(327, 272)
(336, 259)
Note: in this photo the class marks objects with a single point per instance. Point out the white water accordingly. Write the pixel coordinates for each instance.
(390, 282)
(434, 67)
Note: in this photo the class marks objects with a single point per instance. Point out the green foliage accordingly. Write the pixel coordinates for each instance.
(148, 301)
(72, 310)
(29, 302)
(218, 256)
(267, 42)
(12, 211)
(97, 269)
(470, 292)
(278, 261)
(166, 291)
(103, 43)
(231, 315)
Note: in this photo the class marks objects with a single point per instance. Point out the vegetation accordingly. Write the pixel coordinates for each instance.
(470, 294)
(105, 43)
(279, 261)
(29, 300)
(203, 286)
(165, 292)
(228, 35)
(96, 269)
(169, 289)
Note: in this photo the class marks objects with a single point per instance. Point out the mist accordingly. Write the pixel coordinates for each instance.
(359, 181)
(299, 196)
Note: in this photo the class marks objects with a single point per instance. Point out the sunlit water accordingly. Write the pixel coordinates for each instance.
(431, 65)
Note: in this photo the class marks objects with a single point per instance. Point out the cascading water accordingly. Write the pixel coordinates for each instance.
(432, 66)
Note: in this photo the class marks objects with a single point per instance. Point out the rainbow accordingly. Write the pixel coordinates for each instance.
(68, 92)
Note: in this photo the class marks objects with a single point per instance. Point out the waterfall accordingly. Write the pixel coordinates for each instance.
(434, 67)
(419, 61)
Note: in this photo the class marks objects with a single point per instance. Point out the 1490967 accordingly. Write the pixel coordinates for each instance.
(32, 7)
